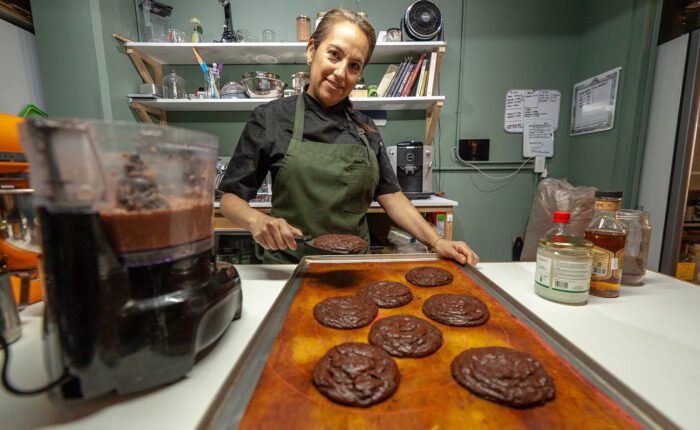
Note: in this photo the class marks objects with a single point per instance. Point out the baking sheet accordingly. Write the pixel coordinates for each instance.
(289, 342)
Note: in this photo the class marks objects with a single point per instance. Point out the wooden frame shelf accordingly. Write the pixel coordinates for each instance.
(148, 58)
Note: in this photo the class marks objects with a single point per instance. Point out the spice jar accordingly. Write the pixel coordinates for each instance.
(637, 238)
(303, 28)
(563, 270)
(608, 237)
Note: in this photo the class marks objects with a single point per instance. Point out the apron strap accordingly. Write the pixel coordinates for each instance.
(360, 132)
(298, 133)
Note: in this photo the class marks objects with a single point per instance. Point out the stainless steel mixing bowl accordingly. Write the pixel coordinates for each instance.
(261, 87)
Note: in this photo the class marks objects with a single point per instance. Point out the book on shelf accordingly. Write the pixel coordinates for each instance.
(421, 77)
(425, 83)
(403, 79)
(412, 77)
(431, 74)
(386, 79)
(397, 77)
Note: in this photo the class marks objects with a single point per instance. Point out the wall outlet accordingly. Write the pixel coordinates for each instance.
(539, 164)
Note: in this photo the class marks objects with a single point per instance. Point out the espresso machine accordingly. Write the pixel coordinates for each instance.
(413, 164)
(125, 213)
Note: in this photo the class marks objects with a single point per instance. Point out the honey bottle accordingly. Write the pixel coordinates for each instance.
(608, 237)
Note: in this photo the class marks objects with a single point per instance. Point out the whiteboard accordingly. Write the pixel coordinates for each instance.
(530, 104)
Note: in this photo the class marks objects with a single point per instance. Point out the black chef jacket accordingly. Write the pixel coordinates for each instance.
(265, 139)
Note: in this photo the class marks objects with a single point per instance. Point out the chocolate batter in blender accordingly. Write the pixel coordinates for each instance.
(126, 226)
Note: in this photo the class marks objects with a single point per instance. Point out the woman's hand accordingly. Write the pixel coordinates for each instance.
(459, 251)
(273, 233)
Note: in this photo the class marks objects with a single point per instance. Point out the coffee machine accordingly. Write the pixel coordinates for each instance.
(125, 213)
(413, 164)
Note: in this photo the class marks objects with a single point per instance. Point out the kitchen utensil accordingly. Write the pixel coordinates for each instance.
(233, 90)
(263, 87)
(268, 36)
(261, 74)
(174, 86)
(299, 81)
(176, 36)
(393, 34)
(310, 241)
(126, 211)
(205, 70)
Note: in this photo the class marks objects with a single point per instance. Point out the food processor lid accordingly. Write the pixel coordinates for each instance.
(75, 162)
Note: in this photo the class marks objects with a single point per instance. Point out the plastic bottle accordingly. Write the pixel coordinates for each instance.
(196, 36)
(559, 232)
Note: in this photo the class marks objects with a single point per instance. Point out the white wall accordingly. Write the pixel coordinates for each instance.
(655, 177)
(20, 83)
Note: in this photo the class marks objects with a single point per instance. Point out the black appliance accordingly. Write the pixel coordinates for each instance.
(131, 291)
(413, 165)
(228, 35)
(422, 22)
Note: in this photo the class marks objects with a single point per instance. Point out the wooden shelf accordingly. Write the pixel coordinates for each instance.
(691, 225)
(266, 53)
(362, 103)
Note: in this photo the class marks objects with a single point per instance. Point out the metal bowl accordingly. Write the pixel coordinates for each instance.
(258, 88)
(259, 74)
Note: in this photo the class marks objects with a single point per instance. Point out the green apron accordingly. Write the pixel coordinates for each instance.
(322, 188)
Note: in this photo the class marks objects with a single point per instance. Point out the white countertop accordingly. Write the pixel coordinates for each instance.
(649, 338)
(429, 202)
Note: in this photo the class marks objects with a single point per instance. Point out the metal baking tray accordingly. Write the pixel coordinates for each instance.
(229, 406)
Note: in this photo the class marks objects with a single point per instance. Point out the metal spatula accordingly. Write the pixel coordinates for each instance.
(309, 240)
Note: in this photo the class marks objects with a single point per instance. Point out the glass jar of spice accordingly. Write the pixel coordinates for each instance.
(608, 237)
(563, 270)
(303, 28)
(637, 238)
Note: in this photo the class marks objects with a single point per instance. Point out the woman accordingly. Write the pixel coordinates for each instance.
(327, 161)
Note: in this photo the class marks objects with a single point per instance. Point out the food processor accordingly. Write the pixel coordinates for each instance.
(131, 290)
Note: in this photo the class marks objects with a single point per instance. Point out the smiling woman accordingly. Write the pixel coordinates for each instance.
(327, 160)
(337, 52)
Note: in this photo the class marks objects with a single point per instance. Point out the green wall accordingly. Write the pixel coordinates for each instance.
(492, 46)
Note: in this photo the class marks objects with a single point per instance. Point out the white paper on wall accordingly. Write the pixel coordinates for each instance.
(530, 104)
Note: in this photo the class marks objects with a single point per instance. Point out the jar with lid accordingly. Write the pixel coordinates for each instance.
(560, 227)
(608, 237)
(174, 86)
(563, 269)
(637, 238)
(303, 28)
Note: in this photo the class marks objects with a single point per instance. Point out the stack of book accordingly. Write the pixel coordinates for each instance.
(409, 79)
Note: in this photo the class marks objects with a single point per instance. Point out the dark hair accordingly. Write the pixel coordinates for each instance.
(341, 14)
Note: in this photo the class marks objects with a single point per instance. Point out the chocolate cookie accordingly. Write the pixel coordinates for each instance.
(356, 374)
(426, 276)
(341, 243)
(386, 294)
(405, 336)
(345, 312)
(503, 375)
(457, 310)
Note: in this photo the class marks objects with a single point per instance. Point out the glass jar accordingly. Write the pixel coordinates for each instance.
(303, 28)
(608, 237)
(174, 86)
(319, 17)
(563, 270)
(637, 238)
